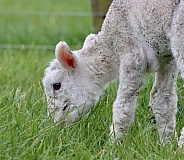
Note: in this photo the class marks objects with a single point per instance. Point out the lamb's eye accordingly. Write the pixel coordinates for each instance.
(57, 86)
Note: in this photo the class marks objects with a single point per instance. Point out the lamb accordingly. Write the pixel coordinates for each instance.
(137, 36)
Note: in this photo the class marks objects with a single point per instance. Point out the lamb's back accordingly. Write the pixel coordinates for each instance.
(148, 20)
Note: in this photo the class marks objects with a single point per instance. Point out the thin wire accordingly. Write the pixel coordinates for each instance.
(45, 13)
(25, 46)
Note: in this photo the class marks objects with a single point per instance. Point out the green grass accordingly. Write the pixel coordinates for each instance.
(26, 133)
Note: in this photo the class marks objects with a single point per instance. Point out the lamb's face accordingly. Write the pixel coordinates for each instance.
(63, 88)
(58, 88)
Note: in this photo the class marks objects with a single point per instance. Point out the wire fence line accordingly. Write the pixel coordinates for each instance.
(47, 13)
(27, 46)
(42, 13)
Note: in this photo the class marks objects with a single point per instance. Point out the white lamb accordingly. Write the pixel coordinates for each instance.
(137, 36)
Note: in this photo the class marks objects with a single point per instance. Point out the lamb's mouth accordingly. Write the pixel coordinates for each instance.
(65, 106)
(68, 106)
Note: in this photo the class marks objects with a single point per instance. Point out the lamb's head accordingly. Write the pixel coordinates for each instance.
(68, 92)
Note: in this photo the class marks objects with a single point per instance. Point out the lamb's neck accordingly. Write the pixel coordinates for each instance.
(98, 63)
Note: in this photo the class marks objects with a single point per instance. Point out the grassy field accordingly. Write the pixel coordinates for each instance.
(26, 133)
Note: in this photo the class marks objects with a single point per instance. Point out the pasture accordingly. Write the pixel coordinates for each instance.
(29, 31)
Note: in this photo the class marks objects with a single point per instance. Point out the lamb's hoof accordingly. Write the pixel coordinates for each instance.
(115, 137)
(181, 139)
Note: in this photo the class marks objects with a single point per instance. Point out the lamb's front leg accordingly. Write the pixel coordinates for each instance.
(163, 100)
(132, 68)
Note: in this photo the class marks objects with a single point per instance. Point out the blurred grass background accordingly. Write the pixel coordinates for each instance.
(26, 133)
(40, 29)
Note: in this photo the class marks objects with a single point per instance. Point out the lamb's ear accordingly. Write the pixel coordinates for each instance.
(66, 58)
(89, 39)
